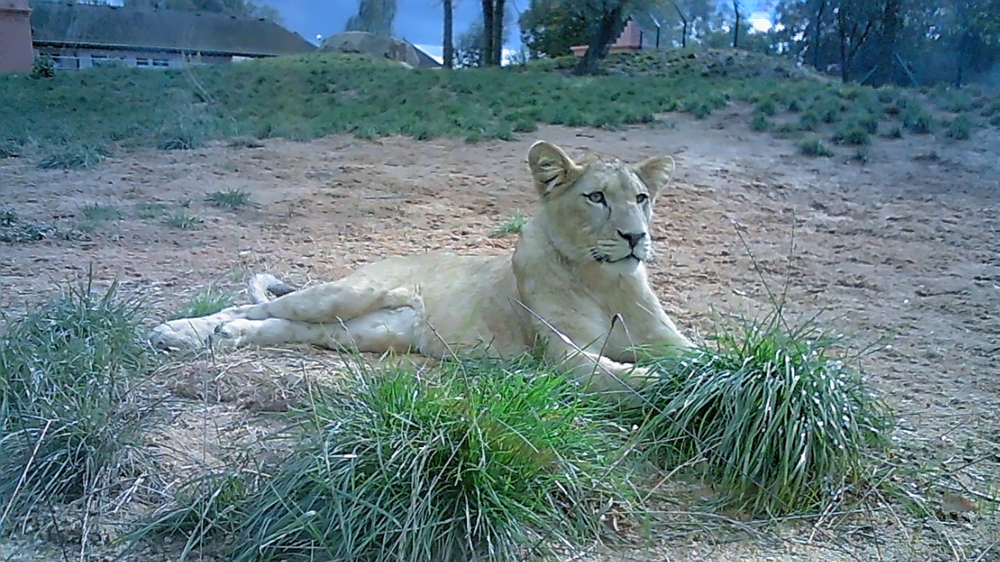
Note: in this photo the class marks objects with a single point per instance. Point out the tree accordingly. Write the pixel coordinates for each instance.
(855, 19)
(494, 14)
(374, 16)
(550, 27)
(737, 9)
(448, 48)
(606, 30)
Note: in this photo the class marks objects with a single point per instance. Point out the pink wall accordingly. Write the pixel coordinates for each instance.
(16, 52)
(629, 40)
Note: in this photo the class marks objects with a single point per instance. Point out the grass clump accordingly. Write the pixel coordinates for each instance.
(513, 225)
(853, 135)
(70, 425)
(960, 128)
(478, 461)
(230, 198)
(918, 122)
(813, 146)
(781, 425)
(894, 132)
(99, 212)
(183, 221)
(13, 230)
(74, 157)
(205, 303)
(759, 122)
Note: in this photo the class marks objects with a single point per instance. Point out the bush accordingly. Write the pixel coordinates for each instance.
(480, 462)
(759, 122)
(781, 425)
(960, 128)
(813, 146)
(74, 157)
(852, 135)
(43, 67)
(918, 122)
(70, 426)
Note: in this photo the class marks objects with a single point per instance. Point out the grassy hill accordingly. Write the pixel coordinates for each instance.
(76, 118)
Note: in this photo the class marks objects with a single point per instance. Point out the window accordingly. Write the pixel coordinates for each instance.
(141, 62)
(98, 60)
(161, 63)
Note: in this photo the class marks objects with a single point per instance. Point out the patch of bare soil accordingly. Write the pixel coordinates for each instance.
(903, 248)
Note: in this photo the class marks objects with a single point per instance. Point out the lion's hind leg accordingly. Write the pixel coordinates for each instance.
(391, 329)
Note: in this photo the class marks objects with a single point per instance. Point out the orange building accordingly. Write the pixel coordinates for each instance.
(16, 51)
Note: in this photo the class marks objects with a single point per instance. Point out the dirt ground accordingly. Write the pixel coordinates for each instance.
(905, 247)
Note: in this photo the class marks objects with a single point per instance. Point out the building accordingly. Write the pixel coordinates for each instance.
(86, 35)
(16, 53)
(631, 39)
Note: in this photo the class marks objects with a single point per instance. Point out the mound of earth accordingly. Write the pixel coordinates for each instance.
(374, 45)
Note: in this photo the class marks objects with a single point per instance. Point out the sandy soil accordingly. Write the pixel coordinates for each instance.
(905, 247)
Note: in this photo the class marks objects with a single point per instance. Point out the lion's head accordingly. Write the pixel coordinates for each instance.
(598, 209)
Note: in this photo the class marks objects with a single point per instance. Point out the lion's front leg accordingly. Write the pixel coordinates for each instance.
(191, 333)
(610, 379)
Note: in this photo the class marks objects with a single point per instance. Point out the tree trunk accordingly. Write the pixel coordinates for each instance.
(887, 43)
(818, 35)
(486, 56)
(844, 72)
(496, 41)
(736, 28)
(611, 26)
(448, 49)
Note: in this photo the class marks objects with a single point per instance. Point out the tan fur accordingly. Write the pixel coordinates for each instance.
(575, 286)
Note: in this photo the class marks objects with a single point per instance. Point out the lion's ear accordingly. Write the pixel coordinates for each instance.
(552, 169)
(655, 172)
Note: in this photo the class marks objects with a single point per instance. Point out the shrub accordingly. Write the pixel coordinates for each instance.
(13, 230)
(183, 221)
(43, 67)
(894, 132)
(759, 122)
(479, 461)
(70, 424)
(813, 146)
(782, 426)
(918, 122)
(852, 135)
(960, 128)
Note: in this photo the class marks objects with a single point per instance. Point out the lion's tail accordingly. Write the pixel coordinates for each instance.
(264, 286)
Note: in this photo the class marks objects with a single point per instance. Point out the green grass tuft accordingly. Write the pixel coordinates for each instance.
(13, 230)
(99, 212)
(813, 146)
(183, 221)
(70, 424)
(759, 122)
(477, 461)
(918, 122)
(513, 225)
(74, 157)
(853, 135)
(960, 128)
(205, 303)
(230, 198)
(782, 425)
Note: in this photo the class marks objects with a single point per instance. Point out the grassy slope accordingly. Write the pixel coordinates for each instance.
(74, 119)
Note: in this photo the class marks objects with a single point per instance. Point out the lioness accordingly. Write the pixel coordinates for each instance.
(576, 284)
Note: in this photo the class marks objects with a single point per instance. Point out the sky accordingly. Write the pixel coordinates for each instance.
(418, 21)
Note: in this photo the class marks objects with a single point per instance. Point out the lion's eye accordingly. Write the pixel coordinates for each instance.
(596, 197)
(641, 198)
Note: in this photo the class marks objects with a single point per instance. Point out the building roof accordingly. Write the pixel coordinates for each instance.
(61, 24)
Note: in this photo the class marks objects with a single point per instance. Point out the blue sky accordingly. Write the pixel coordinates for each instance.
(418, 21)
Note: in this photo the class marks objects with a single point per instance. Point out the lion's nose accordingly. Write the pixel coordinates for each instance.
(633, 238)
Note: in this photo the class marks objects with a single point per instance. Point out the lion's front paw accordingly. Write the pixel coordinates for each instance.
(186, 333)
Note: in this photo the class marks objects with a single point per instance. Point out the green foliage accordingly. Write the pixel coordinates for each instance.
(99, 212)
(960, 128)
(13, 230)
(229, 199)
(513, 225)
(550, 27)
(74, 157)
(759, 122)
(894, 132)
(782, 425)
(918, 121)
(43, 67)
(183, 221)
(70, 424)
(474, 462)
(813, 146)
(852, 134)
(205, 303)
